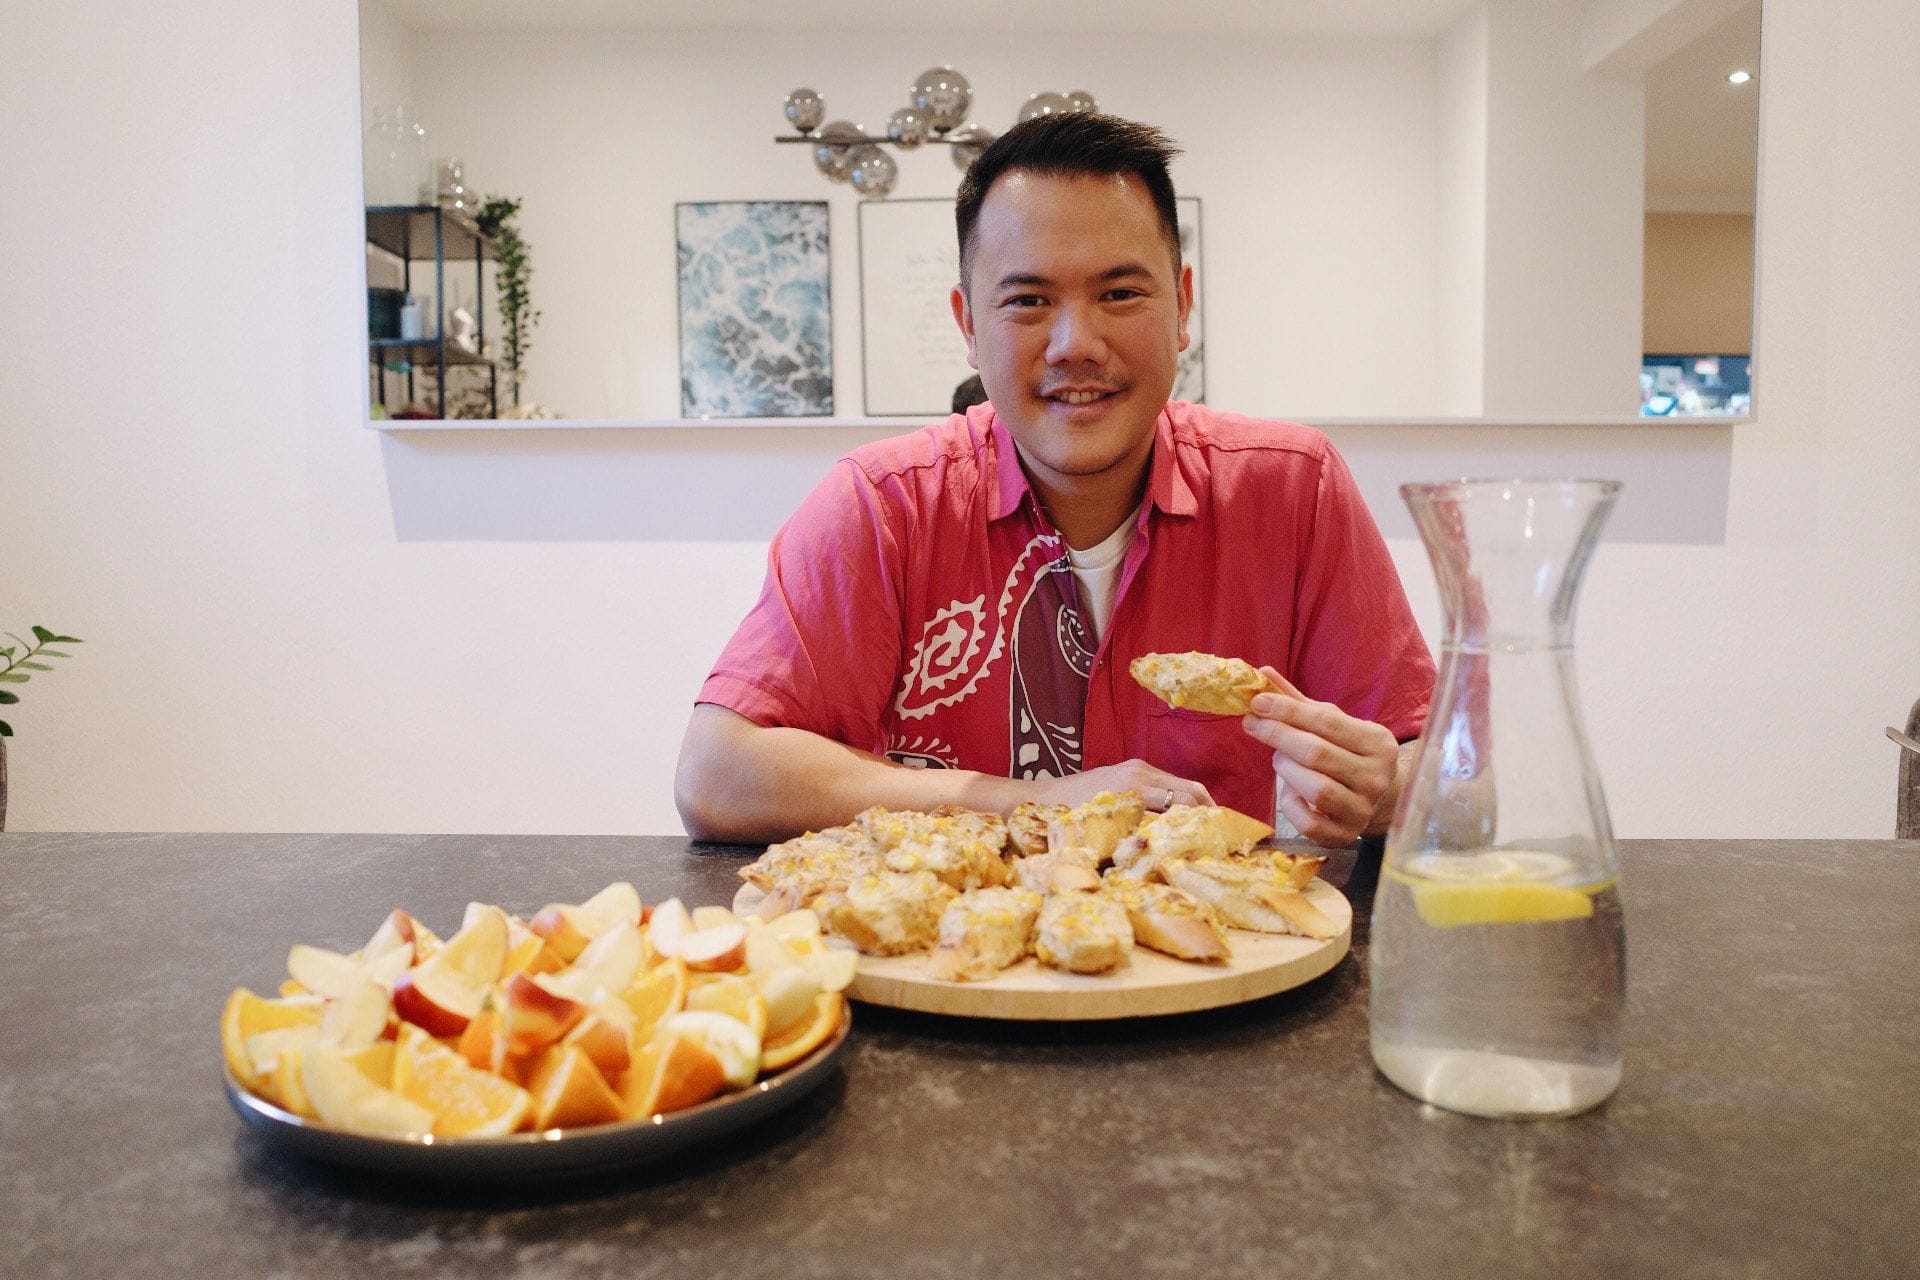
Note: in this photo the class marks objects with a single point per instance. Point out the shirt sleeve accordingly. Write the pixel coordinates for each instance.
(1355, 641)
(820, 650)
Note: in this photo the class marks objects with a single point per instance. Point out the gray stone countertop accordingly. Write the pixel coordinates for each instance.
(1768, 1124)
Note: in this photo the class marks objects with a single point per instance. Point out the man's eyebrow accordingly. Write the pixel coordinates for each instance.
(1122, 271)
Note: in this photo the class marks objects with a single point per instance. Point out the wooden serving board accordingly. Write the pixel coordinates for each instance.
(1147, 984)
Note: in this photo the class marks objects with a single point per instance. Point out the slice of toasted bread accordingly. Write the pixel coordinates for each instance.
(1201, 681)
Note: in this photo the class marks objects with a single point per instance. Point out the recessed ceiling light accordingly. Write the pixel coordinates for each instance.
(1739, 77)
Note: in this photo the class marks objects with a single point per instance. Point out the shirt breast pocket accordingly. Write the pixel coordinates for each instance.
(1216, 752)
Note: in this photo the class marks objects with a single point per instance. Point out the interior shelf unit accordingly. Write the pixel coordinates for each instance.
(415, 235)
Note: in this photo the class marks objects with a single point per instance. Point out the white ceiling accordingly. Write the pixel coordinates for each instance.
(1409, 18)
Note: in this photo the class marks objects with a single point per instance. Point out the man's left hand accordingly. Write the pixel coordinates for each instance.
(1340, 771)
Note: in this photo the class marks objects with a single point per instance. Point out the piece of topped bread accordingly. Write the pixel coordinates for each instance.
(795, 872)
(1201, 681)
(1091, 830)
(960, 847)
(1027, 826)
(889, 914)
(1187, 831)
(982, 932)
(1055, 873)
(1249, 895)
(1169, 920)
(1082, 933)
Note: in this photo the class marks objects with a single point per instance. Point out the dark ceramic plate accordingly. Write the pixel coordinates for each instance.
(551, 1153)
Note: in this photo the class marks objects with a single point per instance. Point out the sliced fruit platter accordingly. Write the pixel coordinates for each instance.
(606, 1017)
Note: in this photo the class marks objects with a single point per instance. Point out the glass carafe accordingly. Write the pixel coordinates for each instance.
(397, 169)
(1498, 949)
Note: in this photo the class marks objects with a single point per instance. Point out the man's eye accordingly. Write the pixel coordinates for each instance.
(1123, 295)
(1025, 300)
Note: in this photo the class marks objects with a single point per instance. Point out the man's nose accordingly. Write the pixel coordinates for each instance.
(1076, 336)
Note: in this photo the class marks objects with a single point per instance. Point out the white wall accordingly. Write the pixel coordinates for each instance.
(1313, 159)
(294, 623)
(1564, 206)
(1461, 160)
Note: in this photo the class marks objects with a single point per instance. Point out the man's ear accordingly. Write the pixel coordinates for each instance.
(1186, 302)
(963, 316)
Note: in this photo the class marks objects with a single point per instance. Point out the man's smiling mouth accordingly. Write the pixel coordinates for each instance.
(1079, 396)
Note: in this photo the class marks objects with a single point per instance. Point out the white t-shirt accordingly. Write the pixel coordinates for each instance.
(1097, 571)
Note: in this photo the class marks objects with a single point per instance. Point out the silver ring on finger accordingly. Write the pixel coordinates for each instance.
(1169, 803)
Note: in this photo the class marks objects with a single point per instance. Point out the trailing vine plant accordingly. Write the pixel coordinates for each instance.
(513, 271)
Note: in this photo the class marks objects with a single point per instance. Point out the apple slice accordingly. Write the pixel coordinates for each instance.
(721, 1034)
(789, 993)
(385, 969)
(618, 903)
(478, 952)
(342, 1096)
(720, 948)
(358, 1020)
(425, 943)
(395, 931)
(608, 965)
(834, 967)
(437, 998)
(536, 1013)
(707, 917)
(324, 973)
(795, 924)
(564, 931)
(765, 952)
(667, 926)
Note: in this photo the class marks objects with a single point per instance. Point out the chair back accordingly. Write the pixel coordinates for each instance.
(1906, 824)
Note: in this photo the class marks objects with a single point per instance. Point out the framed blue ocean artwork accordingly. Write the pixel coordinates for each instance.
(756, 314)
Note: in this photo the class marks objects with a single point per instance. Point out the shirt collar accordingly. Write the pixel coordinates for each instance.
(1167, 487)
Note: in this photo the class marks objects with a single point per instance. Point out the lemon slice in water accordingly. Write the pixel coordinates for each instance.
(1504, 886)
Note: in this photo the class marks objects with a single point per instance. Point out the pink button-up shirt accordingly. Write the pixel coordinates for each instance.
(920, 604)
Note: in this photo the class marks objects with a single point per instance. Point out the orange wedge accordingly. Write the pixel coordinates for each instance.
(606, 1036)
(247, 1014)
(283, 1087)
(670, 1073)
(375, 1062)
(806, 1034)
(465, 1103)
(530, 954)
(727, 993)
(569, 1091)
(656, 993)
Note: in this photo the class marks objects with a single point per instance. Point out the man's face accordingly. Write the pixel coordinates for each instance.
(1075, 318)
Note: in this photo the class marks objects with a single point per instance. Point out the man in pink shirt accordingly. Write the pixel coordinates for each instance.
(949, 617)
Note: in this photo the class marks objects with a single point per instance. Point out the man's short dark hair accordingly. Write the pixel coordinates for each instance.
(1072, 144)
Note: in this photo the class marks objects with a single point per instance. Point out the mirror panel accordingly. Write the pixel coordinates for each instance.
(1414, 209)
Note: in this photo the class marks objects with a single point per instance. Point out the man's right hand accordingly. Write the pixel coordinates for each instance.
(1160, 789)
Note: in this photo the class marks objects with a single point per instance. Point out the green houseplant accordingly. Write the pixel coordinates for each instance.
(513, 273)
(18, 662)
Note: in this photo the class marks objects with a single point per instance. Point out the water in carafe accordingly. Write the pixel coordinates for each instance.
(1498, 948)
